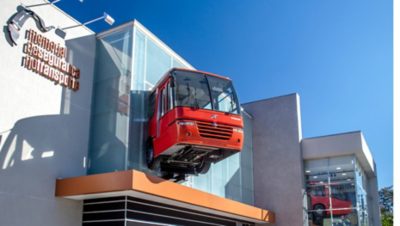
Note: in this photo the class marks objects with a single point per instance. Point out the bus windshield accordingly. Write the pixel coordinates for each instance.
(202, 91)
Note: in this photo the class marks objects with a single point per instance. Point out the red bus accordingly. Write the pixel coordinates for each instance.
(194, 120)
(340, 202)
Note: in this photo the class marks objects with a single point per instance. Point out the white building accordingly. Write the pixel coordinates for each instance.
(74, 155)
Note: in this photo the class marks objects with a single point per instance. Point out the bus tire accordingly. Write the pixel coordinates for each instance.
(204, 167)
(318, 214)
(151, 162)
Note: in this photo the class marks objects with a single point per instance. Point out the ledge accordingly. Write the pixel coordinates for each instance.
(138, 184)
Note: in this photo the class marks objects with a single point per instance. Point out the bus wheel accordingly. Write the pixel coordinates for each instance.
(203, 167)
(318, 215)
(151, 162)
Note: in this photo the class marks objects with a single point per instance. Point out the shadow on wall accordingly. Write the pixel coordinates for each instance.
(39, 135)
(39, 149)
(233, 187)
(77, 105)
(50, 144)
(35, 146)
(36, 152)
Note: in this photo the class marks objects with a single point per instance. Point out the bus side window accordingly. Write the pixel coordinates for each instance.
(165, 97)
(151, 102)
(160, 104)
(163, 102)
(170, 99)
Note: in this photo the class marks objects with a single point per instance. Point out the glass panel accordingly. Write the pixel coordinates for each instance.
(361, 183)
(163, 102)
(139, 105)
(232, 177)
(157, 62)
(223, 95)
(121, 108)
(192, 90)
(139, 72)
(331, 191)
(170, 98)
(110, 107)
(151, 62)
(113, 56)
(151, 106)
(138, 130)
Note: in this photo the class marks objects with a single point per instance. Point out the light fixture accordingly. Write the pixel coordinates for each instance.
(344, 174)
(60, 31)
(338, 168)
(46, 3)
(106, 17)
(315, 177)
(55, 1)
(308, 171)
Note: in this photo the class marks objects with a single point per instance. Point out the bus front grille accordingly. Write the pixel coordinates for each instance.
(214, 130)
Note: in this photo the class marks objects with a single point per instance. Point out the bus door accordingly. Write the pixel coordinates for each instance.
(165, 116)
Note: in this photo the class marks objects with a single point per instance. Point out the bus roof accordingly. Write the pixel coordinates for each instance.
(166, 75)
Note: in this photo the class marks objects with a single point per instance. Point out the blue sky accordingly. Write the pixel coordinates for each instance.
(337, 54)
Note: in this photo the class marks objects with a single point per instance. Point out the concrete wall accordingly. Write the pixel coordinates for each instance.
(351, 143)
(278, 163)
(373, 202)
(43, 127)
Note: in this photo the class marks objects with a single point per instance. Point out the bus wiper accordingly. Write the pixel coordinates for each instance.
(232, 105)
(196, 103)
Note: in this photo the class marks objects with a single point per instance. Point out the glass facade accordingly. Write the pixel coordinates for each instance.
(151, 61)
(336, 192)
(232, 177)
(129, 62)
(361, 191)
(110, 105)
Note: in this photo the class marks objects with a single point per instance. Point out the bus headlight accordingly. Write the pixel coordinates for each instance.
(185, 123)
(238, 130)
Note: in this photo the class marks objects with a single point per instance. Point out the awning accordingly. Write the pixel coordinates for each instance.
(137, 184)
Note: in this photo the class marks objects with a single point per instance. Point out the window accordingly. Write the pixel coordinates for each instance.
(339, 192)
(192, 90)
(170, 97)
(197, 90)
(317, 190)
(160, 104)
(152, 101)
(163, 102)
(331, 191)
(223, 95)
